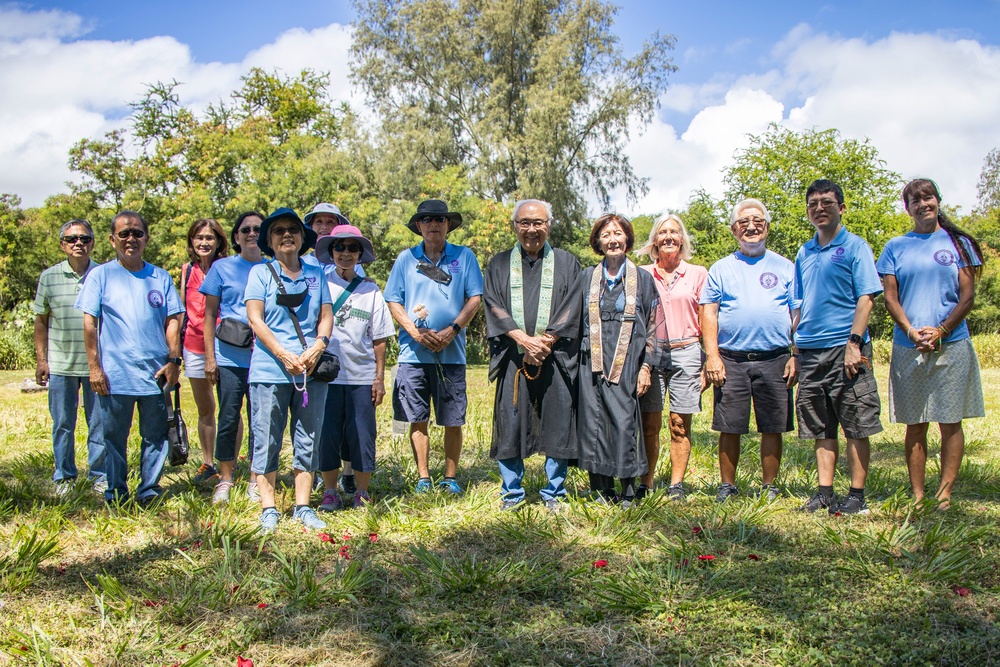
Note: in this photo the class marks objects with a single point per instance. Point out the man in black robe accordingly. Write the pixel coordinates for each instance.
(533, 325)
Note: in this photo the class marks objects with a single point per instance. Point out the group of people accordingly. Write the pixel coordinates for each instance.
(584, 360)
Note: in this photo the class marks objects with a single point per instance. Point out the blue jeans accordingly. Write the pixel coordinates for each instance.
(116, 420)
(272, 405)
(64, 401)
(233, 387)
(512, 472)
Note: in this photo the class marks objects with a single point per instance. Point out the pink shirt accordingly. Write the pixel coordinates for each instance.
(679, 296)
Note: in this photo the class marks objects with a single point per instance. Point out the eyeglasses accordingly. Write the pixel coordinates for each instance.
(281, 231)
(82, 238)
(821, 203)
(343, 247)
(528, 224)
(745, 222)
(134, 232)
(247, 230)
(427, 219)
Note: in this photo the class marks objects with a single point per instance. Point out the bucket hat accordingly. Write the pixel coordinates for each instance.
(325, 208)
(264, 241)
(325, 244)
(434, 208)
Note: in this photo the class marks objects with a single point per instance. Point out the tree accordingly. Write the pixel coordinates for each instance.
(988, 188)
(532, 97)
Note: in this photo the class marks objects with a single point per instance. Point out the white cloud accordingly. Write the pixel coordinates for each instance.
(928, 102)
(16, 23)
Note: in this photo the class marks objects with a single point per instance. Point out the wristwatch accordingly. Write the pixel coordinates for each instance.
(174, 360)
(458, 329)
(856, 339)
(325, 339)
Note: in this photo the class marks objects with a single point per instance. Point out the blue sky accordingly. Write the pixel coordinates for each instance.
(920, 79)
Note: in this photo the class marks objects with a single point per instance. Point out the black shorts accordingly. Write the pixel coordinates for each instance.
(828, 398)
(419, 385)
(762, 382)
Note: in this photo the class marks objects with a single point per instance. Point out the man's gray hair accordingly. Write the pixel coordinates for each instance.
(518, 204)
(71, 223)
(749, 203)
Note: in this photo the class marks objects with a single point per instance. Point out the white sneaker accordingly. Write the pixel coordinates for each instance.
(221, 494)
(252, 493)
(100, 486)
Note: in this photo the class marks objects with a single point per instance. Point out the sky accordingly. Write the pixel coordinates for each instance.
(920, 79)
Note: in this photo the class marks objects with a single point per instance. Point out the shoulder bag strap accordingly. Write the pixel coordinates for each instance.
(291, 311)
(347, 293)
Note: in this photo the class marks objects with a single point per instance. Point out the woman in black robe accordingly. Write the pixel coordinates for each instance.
(618, 351)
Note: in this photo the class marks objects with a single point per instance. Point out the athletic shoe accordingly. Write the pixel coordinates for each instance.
(818, 502)
(205, 474)
(269, 520)
(511, 504)
(100, 485)
(771, 491)
(726, 491)
(221, 494)
(676, 492)
(331, 502)
(626, 502)
(64, 486)
(554, 504)
(423, 485)
(317, 482)
(307, 517)
(850, 504)
(641, 491)
(361, 499)
(346, 484)
(450, 485)
(253, 493)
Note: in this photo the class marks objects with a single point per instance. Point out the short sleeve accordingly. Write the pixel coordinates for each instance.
(256, 289)
(886, 265)
(174, 305)
(212, 284)
(324, 290)
(41, 305)
(473, 277)
(866, 280)
(797, 279)
(712, 291)
(395, 288)
(381, 322)
(89, 299)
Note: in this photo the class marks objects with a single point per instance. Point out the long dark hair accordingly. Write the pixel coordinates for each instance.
(921, 187)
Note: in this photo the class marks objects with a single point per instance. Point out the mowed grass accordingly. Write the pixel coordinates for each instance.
(433, 579)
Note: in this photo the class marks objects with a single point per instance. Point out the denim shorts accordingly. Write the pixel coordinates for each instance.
(417, 385)
(271, 405)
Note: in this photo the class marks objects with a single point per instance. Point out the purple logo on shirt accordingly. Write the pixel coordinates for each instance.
(838, 255)
(768, 280)
(454, 266)
(312, 283)
(155, 298)
(944, 257)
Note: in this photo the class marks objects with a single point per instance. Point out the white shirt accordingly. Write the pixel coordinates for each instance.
(361, 320)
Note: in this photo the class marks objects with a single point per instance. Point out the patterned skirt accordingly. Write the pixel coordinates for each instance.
(941, 387)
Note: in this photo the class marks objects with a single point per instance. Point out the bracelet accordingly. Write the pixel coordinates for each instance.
(943, 329)
(909, 330)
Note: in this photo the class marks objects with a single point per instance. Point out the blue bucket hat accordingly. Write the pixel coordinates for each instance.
(263, 241)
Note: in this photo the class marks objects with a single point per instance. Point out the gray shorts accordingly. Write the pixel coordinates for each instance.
(759, 381)
(417, 385)
(682, 381)
(828, 398)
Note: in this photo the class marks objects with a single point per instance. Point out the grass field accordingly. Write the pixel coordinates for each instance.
(418, 580)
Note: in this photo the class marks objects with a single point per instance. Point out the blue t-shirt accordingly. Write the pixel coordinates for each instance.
(132, 309)
(926, 268)
(828, 282)
(227, 280)
(264, 366)
(431, 304)
(755, 301)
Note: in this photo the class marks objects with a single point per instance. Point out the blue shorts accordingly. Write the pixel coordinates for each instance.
(348, 428)
(270, 405)
(418, 384)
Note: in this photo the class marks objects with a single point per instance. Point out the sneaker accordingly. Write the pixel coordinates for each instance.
(605, 499)
(423, 485)
(771, 491)
(818, 502)
(450, 485)
(253, 493)
(205, 474)
(361, 499)
(726, 491)
(269, 520)
(317, 482)
(221, 494)
(346, 484)
(64, 486)
(641, 491)
(554, 504)
(511, 504)
(850, 504)
(99, 485)
(676, 492)
(307, 517)
(331, 502)
(627, 501)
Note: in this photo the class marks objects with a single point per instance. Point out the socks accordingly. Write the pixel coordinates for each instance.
(857, 492)
(826, 490)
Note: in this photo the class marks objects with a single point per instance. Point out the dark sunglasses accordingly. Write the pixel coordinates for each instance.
(134, 232)
(281, 231)
(435, 273)
(82, 238)
(343, 247)
(247, 230)
(433, 218)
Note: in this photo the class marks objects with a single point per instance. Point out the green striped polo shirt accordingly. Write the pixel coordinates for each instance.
(56, 294)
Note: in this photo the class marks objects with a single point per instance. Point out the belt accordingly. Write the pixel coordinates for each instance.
(755, 355)
(683, 342)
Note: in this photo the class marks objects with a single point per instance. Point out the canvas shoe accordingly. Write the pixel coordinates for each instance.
(221, 494)
(850, 504)
(361, 499)
(64, 486)
(331, 502)
(554, 505)
(307, 517)
(818, 502)
(726, 491)
(771, 491)
(269, 520)
(253, 493)
(423, 485)
(511, 504)
(99, 485)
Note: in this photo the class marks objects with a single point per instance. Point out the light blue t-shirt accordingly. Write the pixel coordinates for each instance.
(755, 301)
(828, 282)
(438, 304)
(926, 269)
(132, 309)
(264, 366)
(227, 280)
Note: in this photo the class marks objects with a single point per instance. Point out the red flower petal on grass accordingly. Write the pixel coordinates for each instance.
(182, 647)
(706, 557)
(347, 535)
(262, 605)
(684, 562)
(753, 557)
(344, 554)
(696, 530)
(960, 591)
(373, 537)
(243, 662)
(152, 603)
(235, 588)
(325, 537)
(600, 563)
(196, 544)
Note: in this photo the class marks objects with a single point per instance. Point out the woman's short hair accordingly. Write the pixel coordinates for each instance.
(653, 250)
(222, 244)
(749, 203)
(239, 223)
(604, 221)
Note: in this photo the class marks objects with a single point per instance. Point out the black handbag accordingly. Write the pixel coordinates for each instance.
(177, 432)
(233, 332)
(328, 367)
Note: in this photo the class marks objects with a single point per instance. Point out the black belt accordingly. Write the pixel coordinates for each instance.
(754, 356)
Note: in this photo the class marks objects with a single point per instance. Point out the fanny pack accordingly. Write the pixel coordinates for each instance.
(234, 332)
(328, 367)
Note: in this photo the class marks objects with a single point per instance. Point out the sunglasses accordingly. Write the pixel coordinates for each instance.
(343, 247)
(134, 232)
(427, 219)
(281, 231)
(82, 238)
(247, 230)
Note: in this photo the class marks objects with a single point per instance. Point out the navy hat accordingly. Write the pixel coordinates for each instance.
(325, 208)
(344, 232)
(434, 208)
(263, 241)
